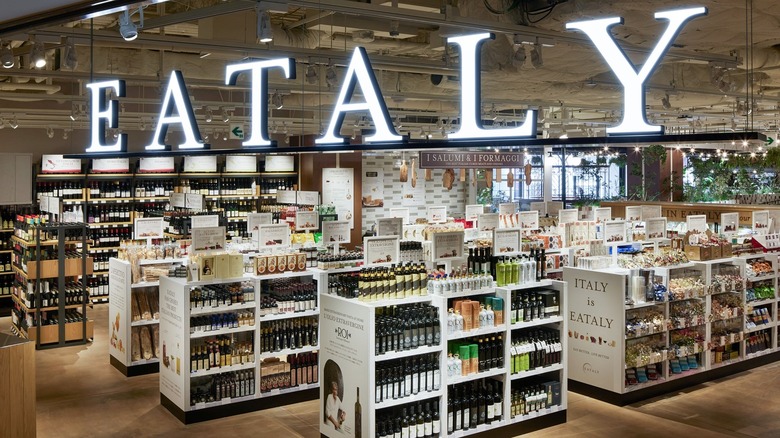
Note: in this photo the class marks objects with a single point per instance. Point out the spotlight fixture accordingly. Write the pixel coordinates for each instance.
(50, 132)
(277, 100)
(519, 56)
(209, 115)
(7, 56)
(536, 56)
(394, 25)
(13, 123)
(264, 32)
(38, 55)
(312, 76)
(330, 76)
(74, 111)
(65, 134)
(225, 115)
(127, 28)
(69, 57)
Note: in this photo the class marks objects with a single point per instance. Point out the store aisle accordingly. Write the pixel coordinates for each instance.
(80, 394)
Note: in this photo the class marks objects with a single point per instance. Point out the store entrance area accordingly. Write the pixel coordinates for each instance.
(80, 394)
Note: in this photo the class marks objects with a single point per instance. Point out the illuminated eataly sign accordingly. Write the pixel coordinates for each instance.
(176, 107)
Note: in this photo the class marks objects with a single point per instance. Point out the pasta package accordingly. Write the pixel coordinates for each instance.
(156, 339)
(135, 351)
(146, 342)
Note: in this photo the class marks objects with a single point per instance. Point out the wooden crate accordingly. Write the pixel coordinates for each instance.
(49, 268)
(50, 333)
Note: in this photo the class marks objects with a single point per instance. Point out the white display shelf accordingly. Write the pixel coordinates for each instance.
(161, 261)
(536, 322)
(537, 371)
(286, 274)
(145, 284)
(477, 332)
(470, 293)
(757, 278)
(288, 351)
(279, 316)
(659, 332)
(649, 304)
(760, 303)
(479, 429)
(414, 398)
(143, 322)
(524, 286)
(760, 327)
(219, 309)
(535, 414)
(224, 331)
(246, 277)
(454, 380)
(224, 401)
(391, 355)
(664, 270)
(282, 391)
(395, 301)
(337, 270)
(221, 370)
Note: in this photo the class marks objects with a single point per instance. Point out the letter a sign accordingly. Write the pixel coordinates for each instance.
(634, 121)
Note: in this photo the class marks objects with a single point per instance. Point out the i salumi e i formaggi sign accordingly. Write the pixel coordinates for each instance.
(176, 107)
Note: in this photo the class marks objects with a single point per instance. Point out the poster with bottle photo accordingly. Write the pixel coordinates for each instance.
(335, 232)
(345, 386)
(274, 235)
(385, 249)
(173, 325)
(338, 189)
(761, 222)
(595, 336)
(447, 246)
(373, 187)
(207, 239)
(506, 240)
(656, 228)
(614, 232)
(390, 226)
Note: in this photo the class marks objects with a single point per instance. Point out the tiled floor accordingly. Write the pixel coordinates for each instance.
(81, 395)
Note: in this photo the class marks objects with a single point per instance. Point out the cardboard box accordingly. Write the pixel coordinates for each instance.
(236, 266)
(292, 262)
(301, 260)
(222, 266)
(698, 253)
(726, 250)
(261, 265)
(206, 267)
(50, 268)
(715, 252)
(281, 263)
(271, 265)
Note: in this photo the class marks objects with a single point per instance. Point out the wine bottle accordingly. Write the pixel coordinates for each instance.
(358, 416)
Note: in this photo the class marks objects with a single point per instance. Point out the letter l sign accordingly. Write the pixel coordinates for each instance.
(634, 121)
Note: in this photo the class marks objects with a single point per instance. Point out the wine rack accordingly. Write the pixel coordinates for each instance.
(270, 352)
(50, 295)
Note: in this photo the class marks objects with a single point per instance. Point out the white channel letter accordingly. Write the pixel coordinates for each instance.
(102, 112)
(360, 72)
(634, 121)
(176, 97)
(259, 76)
(471, 96)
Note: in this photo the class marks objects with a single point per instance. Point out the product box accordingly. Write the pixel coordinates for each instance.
(261, 265)
(271, 265)
(550, 241)
(726, 250)
(236, 266)
(553, 390)
(222, 266)
(476, 306)
(498, 309)
(281, 263)
(206, 267)
(292, 262)
(301, 261)
(551, 302)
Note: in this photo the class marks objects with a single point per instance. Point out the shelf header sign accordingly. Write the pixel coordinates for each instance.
(176, 108)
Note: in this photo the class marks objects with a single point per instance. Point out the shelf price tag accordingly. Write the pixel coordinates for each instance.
(507, 208)
(402, 213)
(335, 232)
(274, 236)
(634, 213)
(473, 211)
(696, 223)
(602, 214)
(761, 222)
(437, 214)
(208, 239)
(529, 220)
(650, 212)
(178, 200)
(306, 220)
(148, 228)
(488, 221)
(194, 201)
(655, 228)
(447, 246)
(614, 232)
(384, 249)
(506, 240)
(568, 216)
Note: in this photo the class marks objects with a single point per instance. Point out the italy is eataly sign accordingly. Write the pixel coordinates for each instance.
(176, 107)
